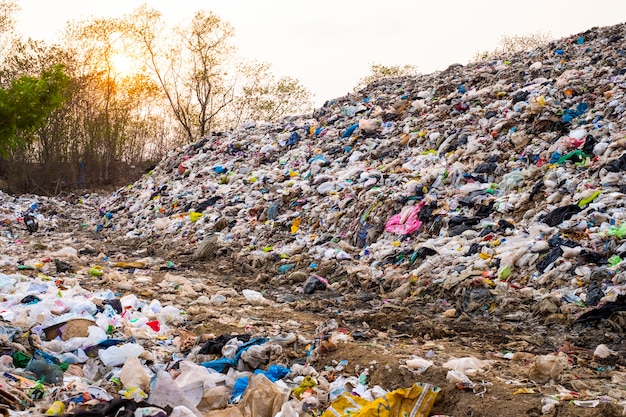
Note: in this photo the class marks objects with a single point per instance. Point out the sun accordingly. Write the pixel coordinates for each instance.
(123, 65)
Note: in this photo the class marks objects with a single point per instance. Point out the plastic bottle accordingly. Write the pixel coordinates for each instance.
(51, 374)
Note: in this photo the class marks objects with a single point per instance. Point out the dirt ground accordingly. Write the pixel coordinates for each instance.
(381, 335)
(394, 334)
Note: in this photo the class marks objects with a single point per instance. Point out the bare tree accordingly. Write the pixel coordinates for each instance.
(184, 82)
(380, 71)
(514, 44)
(191, 65)
(260, 97)
(8, 9)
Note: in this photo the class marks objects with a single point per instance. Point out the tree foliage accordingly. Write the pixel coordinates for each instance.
(189, 63)
(110, 102)
(137, 87)
(26, 105)
(206, 84)
(8, 9)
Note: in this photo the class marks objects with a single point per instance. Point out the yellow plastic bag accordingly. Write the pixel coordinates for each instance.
(194, 216)
(345, 405)
(295, 225)
(307, 383)
(416, 401)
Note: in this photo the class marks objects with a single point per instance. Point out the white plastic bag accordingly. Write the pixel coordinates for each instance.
(164, 391)
(255, 298)
(419, 364)
(469, 365)
(117, 355)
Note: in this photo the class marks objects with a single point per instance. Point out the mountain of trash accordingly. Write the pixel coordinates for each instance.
(481, 187)
(344, 262)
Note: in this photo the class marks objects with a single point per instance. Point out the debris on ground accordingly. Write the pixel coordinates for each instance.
(443, 244)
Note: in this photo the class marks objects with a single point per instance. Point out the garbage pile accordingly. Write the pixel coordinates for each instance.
(79, 337)
(73, 346)
(488, 191)
(25, 215)
(495, 180)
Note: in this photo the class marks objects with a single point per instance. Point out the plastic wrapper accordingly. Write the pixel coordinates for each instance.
(415, 401)
(419, 364)
(255, 298)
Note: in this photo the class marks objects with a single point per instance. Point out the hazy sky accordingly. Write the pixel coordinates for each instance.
(330, 44)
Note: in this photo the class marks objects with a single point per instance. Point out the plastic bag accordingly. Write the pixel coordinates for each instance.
(239, 389)
(214, 399)
(255, 298)
(165, 392)
(66, 252)
(274, 372)
(95, 336)
(419, 364)
(548, 405)
(181, 411)
(6, 282)
(469, 365)
(326, 187)
(405, 222)
(191, 372)
(458, 377)
(256, 356)
(50, 373)
(340, 385)
(603, 351)
(290, 409)
(134, 375)
(547, 367)
(79, 357)
(560, 214)
(262, 398)
(117, 355)
(91, 369)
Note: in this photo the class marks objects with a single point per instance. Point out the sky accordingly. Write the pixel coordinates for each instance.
(330, 44)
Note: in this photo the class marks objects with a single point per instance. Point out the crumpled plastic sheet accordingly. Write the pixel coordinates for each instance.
(416, 401)
(405, 223)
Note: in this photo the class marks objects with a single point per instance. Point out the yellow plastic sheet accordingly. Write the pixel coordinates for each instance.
(416, 401)
(295, 225)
